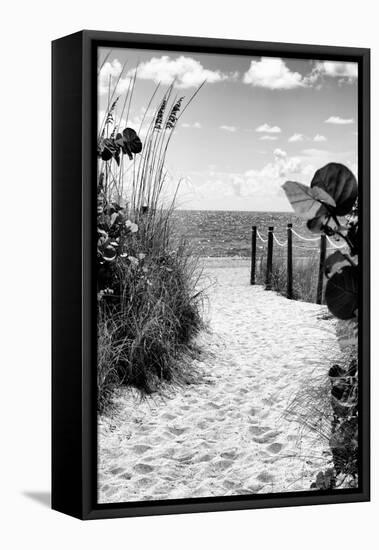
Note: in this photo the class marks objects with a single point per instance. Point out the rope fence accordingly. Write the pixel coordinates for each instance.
(322, 242)
(260, 237)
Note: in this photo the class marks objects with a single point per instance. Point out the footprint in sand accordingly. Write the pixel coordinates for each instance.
(117, 471)
(275, 447)
(214, 405)
(125, 475)
(185, 456)
(265, 477)
(143, 482)
(143, 468)
(202, 425)
(205, 458)
(231, 455)
(168, 416)
(222, 464)
(267, 437)
(229, 484)
(140, 449)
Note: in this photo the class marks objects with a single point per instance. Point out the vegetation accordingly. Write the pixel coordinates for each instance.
(149, 301)
(330, 206)
(305, 276)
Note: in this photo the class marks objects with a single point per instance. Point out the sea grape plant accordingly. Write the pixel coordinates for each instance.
(128, 142)
(330, 206)
(114, 228)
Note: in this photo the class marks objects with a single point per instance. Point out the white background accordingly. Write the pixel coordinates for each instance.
(26, 31)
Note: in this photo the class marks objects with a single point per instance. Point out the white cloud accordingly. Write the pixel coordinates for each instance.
(273, 73)
(313, 152)
(279, 153)
(267, 181)
(266, 128)
(262, 185)
(319, 138)
(228, 128)
(296, 137)
(108, 78)
(268, 138)
(185, 71)
(337, 69)
(196, 125)
(339, 120)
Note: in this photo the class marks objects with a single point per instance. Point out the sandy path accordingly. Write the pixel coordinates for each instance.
(226, 435)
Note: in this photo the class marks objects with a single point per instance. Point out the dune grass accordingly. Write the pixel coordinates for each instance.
(149, 298)
(305, 276)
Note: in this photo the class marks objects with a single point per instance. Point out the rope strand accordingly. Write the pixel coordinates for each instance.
(278, 242)
(261, 238)
(332, 246)
(304, 238)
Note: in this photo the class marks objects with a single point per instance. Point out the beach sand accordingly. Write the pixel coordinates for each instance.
(229, 434)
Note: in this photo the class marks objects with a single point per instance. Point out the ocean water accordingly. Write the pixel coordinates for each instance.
(215, 233)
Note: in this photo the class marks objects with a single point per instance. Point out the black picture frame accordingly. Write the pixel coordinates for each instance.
(73, 272)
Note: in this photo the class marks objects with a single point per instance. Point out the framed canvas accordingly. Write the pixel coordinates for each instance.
(210, 275)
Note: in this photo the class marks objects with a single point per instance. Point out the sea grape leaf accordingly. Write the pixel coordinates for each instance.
(334, 263)
(341, 293)
(129, 142)
(340, 183)
(106, 153)
(307, 202)
(324, 480)
(324, 222)
(318, 223)
(114, 217)
(107, 149)
(109, 253)
(133, 141)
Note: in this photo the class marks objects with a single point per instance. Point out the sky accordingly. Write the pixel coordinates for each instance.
(256, 123)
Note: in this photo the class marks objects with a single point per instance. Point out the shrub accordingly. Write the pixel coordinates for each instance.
(330, 206)
(305, 274)
(148, 282)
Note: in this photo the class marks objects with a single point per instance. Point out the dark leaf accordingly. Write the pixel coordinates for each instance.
(340, 183)
(132, 141)
(318, 223)
(116, 207)
(341, 293)
(108, 148)
(307, 202)
(129, 143)
(106, 154)
(336, 371)
(109, 253)
(335, 262)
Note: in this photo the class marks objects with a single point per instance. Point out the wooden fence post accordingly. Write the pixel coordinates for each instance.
(270, 243)
(253, 253)
(320, 283)
(289, 262)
